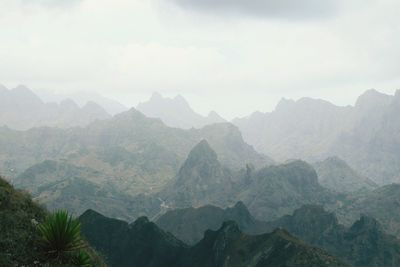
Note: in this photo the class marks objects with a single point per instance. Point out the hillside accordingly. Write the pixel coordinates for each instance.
(381, 203)
(143, 244)
(278, 190)
(337, 175)
(19, 237)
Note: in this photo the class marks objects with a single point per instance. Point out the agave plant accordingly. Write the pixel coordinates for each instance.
(81, 259)
(60, 234)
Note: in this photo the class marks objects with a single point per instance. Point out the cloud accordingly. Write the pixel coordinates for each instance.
(291, 9)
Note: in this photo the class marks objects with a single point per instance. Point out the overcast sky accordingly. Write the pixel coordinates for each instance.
(232, 56)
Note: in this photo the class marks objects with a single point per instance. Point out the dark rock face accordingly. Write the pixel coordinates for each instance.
(363, 244)
(143, 244)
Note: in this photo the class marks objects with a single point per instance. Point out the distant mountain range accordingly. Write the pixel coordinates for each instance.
(22, 109)
(126, 155)
(144, 244)
(176, 112)
(364, 135)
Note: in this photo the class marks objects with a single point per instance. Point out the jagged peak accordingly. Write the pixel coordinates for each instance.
(141, 221)
(202, 151)
(366, 223)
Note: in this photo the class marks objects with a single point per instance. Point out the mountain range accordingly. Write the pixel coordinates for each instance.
(126, 155)
(176, 112)
(362, 244)
(143, 243)
(364, 135)
(22, 109)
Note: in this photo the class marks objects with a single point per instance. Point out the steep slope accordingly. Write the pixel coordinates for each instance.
(144, 244)
(363, 244)
(335, 174)
(141, 243)
(201, 180)
(364, 135)
(19, 238)
(381, 203)
(21, 109)
(176, 112)
(204, 218)
(278, 190)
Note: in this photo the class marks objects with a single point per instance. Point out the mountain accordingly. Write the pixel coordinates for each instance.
(19, 238)
(143, 244)
(204, 218)
(364, 135)
(201, 180)
(60, 185)
(112, 107)
(176, 112)
(280, 189)
(127, 155)
(269, 193)
(22, 109)
(336, 174)
(382, 203)
(363, 244)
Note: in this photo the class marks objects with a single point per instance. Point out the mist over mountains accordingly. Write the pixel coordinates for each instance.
(176, 112)
(22, 109)
(364, 135)
(325, 197)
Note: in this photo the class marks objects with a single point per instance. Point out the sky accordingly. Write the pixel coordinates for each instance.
(232, 56)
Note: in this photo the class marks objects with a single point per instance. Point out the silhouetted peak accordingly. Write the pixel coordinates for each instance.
(202, 152)
(372, 99)
(240, 206)
(141, 221)
(24, 93)
(365, 224)
(284, 103)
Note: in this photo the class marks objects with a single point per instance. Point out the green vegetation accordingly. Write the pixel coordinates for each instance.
(30, 236)
(61, 236)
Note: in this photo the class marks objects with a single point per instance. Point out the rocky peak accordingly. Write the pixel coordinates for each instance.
(201, 154)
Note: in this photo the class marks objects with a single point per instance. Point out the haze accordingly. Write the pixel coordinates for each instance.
(234, 57)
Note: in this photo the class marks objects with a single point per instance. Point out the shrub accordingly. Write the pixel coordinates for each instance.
(60, 234)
